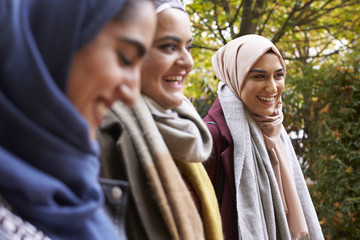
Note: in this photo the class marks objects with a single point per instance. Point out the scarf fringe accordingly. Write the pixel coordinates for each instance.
(300, 236)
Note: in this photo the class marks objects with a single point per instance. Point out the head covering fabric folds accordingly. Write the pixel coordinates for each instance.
(48, 166)
(161, 5)
(231, 64)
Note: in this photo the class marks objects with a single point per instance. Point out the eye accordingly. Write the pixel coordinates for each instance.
(279, 76)
(124, 60)
(169, 47)
(259, 76)
(189, 47)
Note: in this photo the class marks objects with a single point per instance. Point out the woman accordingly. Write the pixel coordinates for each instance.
(253, 167)
(61, 64)
(159, 144)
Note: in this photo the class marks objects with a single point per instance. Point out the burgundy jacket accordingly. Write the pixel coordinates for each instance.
(220, 167)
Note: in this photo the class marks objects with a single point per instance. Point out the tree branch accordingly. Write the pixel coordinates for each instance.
(204, 47)
(261, 29)
(209, 28)
(246, 18)
(217, 23)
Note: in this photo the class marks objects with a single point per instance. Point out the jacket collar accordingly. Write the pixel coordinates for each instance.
(217, 115)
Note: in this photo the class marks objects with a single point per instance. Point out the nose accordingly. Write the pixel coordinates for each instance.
(129, 87)
(185, 59)
(271, 86)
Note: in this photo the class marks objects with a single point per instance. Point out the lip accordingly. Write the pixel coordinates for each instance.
(101, 108)
(267, 100)
(174, 80)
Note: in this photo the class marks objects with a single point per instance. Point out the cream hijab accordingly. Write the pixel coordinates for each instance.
(231, 65)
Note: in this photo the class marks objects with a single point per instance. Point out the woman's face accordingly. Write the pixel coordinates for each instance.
(108, 68)
(264, 85)
(169, 61)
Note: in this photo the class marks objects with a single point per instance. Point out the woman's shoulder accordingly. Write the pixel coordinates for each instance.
(216, 122)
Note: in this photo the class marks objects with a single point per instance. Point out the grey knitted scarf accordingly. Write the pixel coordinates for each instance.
(184, 132)
(260, 211)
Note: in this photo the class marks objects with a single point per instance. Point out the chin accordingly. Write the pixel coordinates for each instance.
(173, 105)
(92, 130)
(174, 102)
(264, 113)
(179, 102)
(92, 135)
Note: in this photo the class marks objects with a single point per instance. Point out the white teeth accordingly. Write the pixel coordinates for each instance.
(102, 109)
(268, 99)
(173, 78)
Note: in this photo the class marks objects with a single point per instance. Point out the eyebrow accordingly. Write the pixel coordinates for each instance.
(176, 39)
(262, 71)
(138, 45)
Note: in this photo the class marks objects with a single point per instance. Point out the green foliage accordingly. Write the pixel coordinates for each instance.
(294, 26)
(201, 83)
(304, 31)
(325, 104)
(319, 41)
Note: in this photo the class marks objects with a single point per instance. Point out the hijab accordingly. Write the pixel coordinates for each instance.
(161, 5)
(48, 165)
(231, 65)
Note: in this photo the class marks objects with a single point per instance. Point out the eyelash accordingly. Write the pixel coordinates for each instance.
(172, 47)
(260, 76)
(168, 47)
(279, 75)
(124, 59)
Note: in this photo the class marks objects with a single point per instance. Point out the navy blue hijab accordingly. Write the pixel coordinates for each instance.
(48, 165)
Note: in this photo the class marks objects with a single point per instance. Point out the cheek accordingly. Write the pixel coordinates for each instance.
(249, 90)
(147, 83)
(280, 87)
(109, 73)
(146, 72)
(249, 93)
(158, 64)
(151, 74)
(244, 96)
(100, 72)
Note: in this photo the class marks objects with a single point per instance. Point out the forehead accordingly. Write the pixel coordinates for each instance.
(139, 29)
(173, 21)
(268, 60)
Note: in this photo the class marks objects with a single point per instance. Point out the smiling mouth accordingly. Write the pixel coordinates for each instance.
(267, 99)
(174, 79)
(101, 109)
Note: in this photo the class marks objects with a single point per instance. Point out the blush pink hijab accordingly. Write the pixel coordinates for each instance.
(231, 65)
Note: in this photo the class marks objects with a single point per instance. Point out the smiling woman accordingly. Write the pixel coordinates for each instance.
(61, 64)
(262, 88)
(108, 68)
(253, 166)
(159, 144)
(163, 77)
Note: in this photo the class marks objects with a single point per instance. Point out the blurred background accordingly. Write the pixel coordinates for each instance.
(320, 43)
